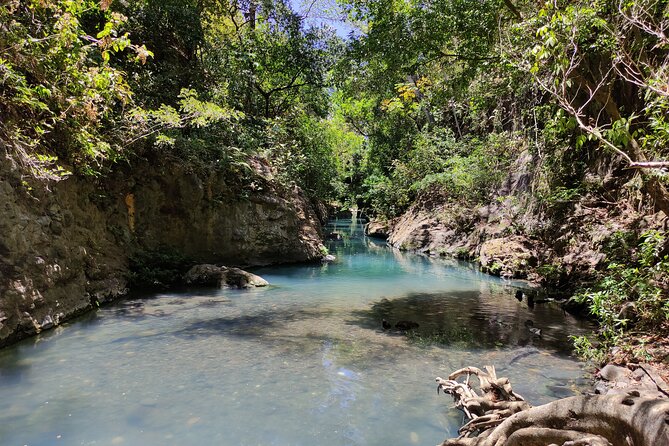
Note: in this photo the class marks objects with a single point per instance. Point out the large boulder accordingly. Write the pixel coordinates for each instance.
(204, 275)
(238, 278)
(428, 231)
(508, 256)
(224, 277)
(377, 229)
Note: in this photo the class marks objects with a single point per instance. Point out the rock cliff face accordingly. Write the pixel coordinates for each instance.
(514, 236)
(205, 221)
(65, 246)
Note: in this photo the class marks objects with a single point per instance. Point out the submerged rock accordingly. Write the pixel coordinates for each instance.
(224, 277)
(406, 325)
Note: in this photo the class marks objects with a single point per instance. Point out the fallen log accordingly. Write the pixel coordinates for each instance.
(498, 416)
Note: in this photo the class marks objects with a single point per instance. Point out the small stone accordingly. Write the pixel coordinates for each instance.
(56, 227)
(638, 374)
(329, 258)
(54, 209)
(601, 388)
(47, 323)
(613, 372)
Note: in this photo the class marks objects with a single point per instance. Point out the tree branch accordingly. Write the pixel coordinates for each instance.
(513, 9)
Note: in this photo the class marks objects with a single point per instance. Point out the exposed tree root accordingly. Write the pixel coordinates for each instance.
(500, 417)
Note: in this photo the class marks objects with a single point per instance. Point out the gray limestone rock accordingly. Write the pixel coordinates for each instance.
(377, 229)
(221, 276)
(510, 256)
(612, 372)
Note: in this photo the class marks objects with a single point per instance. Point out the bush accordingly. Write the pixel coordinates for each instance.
(302, 149)
(634, 294)
(384, 197)
(465, 170)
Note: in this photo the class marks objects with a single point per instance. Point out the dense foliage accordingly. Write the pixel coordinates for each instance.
(560, 75)
(632, 296)
(60, 95)
(87, 83)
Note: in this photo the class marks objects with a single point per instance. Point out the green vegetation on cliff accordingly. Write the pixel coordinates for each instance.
(86, 84)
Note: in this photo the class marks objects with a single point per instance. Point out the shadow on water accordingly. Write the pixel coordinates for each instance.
(143, 307)
(14, 371)
(246, 325)
(243, 325)
(474, 320)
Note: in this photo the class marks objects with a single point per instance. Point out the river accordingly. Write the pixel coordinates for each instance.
(302, 362)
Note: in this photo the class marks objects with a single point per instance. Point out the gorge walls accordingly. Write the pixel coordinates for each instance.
(66, 246)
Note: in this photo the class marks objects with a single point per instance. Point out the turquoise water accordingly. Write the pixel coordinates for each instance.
(303, 362)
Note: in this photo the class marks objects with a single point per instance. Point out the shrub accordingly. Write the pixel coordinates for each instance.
(634, 294)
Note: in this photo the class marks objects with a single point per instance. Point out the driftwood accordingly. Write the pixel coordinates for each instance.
(498, 416)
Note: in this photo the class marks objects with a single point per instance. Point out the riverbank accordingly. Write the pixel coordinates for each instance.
(70, 245)
(514, 234)
(575, 266)
(600, 245)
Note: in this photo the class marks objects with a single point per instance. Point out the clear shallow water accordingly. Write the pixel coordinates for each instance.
(303, 362)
